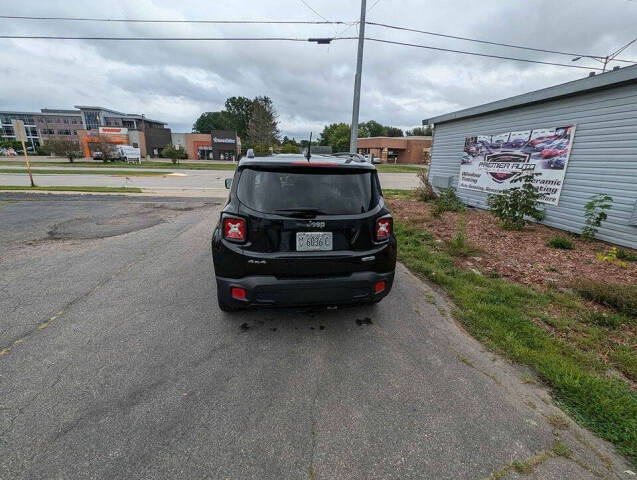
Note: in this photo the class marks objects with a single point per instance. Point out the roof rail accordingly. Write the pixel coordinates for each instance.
(352, 156)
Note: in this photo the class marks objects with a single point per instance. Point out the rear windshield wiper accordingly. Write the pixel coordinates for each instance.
(301, 211)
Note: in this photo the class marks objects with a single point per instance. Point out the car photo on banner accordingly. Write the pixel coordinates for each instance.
(490, 163)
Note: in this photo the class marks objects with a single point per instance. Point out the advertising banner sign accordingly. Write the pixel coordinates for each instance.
(490, 162)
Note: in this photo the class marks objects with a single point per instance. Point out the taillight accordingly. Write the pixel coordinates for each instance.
(238, 293)
(234, 229)
(383, 228)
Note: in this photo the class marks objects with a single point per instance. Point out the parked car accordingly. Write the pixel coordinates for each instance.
(557, 163)
(97, 155)
(299, 232)
(514, 144)
(128, 153)
(552, 152)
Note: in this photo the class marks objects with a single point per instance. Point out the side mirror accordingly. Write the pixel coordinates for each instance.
(228, 182)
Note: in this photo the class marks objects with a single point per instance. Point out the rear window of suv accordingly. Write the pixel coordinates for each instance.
(342, 193)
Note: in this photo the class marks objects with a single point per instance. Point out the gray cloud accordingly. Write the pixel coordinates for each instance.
(310, 84)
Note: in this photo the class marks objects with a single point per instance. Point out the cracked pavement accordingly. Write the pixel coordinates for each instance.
(139, 375)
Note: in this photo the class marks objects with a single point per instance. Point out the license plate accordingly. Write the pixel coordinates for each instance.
(312, 241)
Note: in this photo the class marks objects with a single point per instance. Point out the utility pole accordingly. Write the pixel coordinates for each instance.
(357, 79)
(606, 59)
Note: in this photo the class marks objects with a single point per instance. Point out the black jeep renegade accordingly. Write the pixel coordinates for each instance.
(300, 232)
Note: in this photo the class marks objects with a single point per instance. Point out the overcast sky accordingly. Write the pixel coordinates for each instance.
(310, 84)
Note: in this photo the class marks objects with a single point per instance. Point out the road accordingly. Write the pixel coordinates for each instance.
(197, 182)
(117, 363)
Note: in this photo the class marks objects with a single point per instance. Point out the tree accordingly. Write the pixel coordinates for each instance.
(336, 135)
(240, 111)
(209, 121)
(290, 148)
(374, 129)
(263, 126)
(170, 151)
(15, 144)
(394, 132)
(63, 147)
(420, 132)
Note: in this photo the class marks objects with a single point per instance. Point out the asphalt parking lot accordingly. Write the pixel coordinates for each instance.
(117, 363)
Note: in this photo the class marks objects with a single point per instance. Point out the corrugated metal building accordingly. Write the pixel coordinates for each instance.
(603, 156)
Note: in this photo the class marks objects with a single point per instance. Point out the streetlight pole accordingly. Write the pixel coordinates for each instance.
(357, 79)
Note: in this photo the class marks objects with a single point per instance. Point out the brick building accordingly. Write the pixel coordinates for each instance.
(414, 150)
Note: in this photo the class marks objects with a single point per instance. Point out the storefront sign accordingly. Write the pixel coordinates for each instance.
(114, 130)
(223, 140)
(490, 162)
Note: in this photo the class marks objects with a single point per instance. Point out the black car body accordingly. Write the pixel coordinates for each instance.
(299, 232)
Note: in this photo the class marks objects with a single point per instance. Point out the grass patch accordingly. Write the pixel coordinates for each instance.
(68, 171)
(58, 188)
(394, 193)
(459, 245)
(557, 421)
(562, 243)
(387, 168)
(500, 314)
(132, 166)
(622, 298)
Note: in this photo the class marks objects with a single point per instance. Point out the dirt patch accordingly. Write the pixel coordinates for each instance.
(102, 227)
(521, 256)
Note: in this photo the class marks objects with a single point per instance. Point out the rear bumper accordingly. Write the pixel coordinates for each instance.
(355, 288)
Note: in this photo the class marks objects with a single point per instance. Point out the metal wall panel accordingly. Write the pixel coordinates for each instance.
(603, 158)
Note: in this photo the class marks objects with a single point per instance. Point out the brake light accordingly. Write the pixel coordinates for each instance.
(380, 286)
(234, 229)
(238, 293)
(383, 228)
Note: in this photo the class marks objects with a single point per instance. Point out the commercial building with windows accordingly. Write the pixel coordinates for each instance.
(153, 134)
(408, 150)
(8, 130)
(53, 123)
(206, 146)
(578, 138)
(86, 124)
(225, 145)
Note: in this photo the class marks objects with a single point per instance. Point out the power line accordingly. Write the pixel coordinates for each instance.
(500, 44)
(380, 40)
(324, 21)
(141, 20)
(290, 39)
(196, 39)
(315, 12)
(621, 49)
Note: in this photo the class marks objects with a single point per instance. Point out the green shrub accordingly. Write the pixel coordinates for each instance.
(290, 148)
(626, 255)
(560, 242)
(447, 201)
(621, 297)
(262, 150)
(425, 191)
(515, 204)
(175, 154)
(594, 214)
